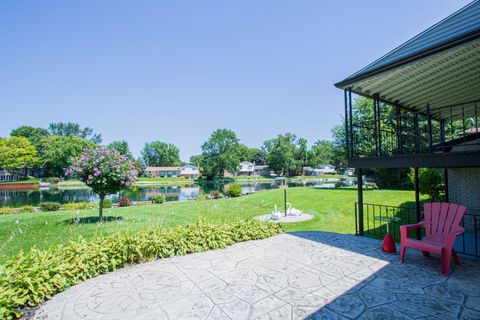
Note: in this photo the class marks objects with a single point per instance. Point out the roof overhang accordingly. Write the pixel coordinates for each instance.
(439, 68)
(446, 78)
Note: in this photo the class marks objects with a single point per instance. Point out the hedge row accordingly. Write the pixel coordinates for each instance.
(31, 278)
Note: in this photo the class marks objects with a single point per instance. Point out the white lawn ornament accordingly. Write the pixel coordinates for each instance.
(292, 211)
(275, 216)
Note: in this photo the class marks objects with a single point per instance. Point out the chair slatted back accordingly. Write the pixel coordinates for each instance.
(442, 218)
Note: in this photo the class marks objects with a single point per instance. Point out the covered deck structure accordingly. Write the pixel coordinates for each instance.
(425, 112)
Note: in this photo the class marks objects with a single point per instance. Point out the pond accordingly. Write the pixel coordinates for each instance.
(16, 198)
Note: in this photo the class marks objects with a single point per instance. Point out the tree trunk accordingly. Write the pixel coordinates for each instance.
(100, 209)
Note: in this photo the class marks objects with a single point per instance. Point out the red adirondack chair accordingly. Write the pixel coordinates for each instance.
(442, 226)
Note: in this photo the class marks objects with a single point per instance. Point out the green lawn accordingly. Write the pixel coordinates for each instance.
(333, 210)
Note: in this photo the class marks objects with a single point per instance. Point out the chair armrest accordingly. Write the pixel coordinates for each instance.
(412, 226)
(459, 231)
(406, 228)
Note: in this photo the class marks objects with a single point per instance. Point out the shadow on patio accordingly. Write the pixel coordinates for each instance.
(301, 275)
(370, 284)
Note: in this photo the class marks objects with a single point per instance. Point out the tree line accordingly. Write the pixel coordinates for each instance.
(54, 148)
(283, 154)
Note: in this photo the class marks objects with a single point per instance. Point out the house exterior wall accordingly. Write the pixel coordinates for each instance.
(464, 188)
(262, 170)
(190, 172)
(246, 168)
(6, 176)
(162, 172)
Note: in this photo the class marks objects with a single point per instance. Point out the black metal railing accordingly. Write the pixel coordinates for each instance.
(390, 130)
(468, 242)
(375, 218)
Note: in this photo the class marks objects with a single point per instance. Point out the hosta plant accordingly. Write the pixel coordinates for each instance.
(35, 276)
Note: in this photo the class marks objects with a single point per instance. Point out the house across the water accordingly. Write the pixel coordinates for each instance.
(327, 169)
(6, 176)
(246, 168)
(187, 171)
(161, 172)
(262, 170)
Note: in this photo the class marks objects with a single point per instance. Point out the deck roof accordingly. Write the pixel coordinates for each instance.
(439, 67)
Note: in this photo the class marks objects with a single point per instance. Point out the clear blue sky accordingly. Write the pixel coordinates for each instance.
(177, 70)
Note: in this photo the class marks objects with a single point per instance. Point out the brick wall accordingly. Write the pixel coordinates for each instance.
(464, 188)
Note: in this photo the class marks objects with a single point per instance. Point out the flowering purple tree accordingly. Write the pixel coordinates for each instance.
(104, 170)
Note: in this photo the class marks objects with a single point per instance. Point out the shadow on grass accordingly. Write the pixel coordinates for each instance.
(404, 213)
(92, 220)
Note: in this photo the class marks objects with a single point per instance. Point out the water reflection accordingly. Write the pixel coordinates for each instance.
(16, 198)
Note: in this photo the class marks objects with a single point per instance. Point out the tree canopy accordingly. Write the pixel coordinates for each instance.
(71, 129)
(196, 160)
(285, 153)
(121, 147)
(17, 153)
(221, 152)
(34, 135)
(60, 151)
(255, 155)
(104, 170)
(159, 154)
(321, 153)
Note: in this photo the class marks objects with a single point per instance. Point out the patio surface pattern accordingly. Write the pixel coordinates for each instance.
(312, 275)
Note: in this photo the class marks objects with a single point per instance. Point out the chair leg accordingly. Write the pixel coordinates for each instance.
(402, 253)
(426, 253)
(446, 258)
(455, 258)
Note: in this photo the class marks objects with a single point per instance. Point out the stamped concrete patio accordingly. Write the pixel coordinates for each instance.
(310, 275)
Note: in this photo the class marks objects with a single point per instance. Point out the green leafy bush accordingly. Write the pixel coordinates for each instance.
(7, 210)
(107, 203)
(159, 198)
(431, 182)
(124, 202)
(25, 209)
(30, 278)
(78, 206)
(234, 190)
(49, 206)
(202, 197)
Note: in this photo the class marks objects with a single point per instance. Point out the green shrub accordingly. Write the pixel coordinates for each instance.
(30, 278)
(202, 197)
(431, 182)
(25, 209)
(124, 202)
(49, 206)
(107, 203)
(7, 210)
(159, 198)
(234, 190)
(78, 206)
